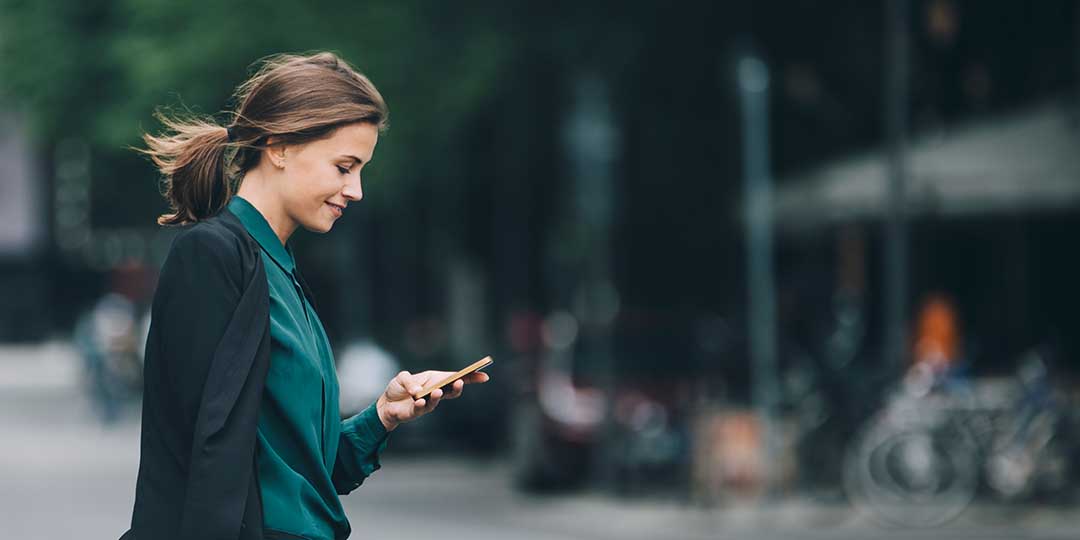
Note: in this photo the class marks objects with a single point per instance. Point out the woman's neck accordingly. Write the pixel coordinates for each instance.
(253, 188)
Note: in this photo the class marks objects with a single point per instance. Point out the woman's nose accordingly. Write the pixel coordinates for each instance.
(353, 190)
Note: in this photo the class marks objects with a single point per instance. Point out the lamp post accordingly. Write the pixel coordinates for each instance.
(896, 110)
(591, 139)
(753, 83)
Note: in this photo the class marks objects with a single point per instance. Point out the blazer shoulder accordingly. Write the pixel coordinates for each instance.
(211, 246)
(207, 236)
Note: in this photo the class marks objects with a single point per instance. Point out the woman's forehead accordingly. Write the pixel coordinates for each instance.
(359, 134)
(356, 140)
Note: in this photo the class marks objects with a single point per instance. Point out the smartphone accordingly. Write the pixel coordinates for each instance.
(478, 365)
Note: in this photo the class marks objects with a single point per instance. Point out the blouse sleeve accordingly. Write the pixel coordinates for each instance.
(363, 438)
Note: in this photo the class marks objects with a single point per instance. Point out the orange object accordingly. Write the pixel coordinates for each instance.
(937, 334)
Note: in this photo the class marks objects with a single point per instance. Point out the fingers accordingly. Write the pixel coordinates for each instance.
(406, 385)
(433, 400)
(476, 377)
(423, 406)
(455, 389)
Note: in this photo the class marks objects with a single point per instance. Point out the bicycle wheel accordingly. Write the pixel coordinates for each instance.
(911, 476)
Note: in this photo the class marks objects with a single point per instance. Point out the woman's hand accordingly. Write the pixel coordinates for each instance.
(397, 406)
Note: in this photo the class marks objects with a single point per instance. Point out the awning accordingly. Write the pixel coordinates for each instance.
(1025, 162)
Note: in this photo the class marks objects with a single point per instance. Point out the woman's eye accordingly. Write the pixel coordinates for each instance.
(343, 170)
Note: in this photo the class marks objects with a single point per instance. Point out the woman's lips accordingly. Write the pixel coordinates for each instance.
(337, 209)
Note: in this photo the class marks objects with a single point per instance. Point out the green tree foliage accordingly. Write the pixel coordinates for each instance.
(96, 69)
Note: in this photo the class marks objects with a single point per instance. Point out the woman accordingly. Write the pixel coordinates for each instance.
(241, 436)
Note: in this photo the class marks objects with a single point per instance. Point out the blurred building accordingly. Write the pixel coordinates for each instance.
(993, 205)
(24, 311)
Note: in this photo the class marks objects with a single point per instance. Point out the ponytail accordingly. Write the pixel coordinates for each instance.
(191, 158)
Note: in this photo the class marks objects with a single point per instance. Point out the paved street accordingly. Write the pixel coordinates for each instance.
(66, 476)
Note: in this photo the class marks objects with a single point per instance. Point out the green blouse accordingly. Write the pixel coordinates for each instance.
(306, 454)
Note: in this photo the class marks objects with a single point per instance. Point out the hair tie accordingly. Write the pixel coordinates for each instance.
(232, 133)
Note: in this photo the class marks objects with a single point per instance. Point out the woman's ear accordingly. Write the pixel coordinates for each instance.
(275, 151)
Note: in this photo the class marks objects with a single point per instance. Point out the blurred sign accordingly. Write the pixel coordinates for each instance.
(20, 192)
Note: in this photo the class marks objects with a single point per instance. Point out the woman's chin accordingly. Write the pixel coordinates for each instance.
(321, 227)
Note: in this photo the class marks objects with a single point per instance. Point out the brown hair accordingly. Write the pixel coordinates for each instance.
(296, 98)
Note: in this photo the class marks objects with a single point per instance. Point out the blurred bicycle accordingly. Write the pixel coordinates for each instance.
(940, 439)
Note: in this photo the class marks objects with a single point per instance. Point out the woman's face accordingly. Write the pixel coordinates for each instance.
(322, 177)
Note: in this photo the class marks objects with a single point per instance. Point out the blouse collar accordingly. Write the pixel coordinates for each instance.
(260, 230)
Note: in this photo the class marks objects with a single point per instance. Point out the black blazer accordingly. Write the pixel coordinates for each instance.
(207, 356)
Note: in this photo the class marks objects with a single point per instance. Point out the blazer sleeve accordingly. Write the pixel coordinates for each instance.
(215, 314)
(363, 438)
(201, 282)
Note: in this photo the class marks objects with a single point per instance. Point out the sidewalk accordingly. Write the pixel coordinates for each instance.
(53, 365)
(451, 490)
(58, 455)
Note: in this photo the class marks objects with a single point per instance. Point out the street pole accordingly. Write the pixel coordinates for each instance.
(753, 82)
(896, 110)
(591, 138)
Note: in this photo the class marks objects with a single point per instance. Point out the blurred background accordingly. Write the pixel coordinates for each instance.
(747, 269)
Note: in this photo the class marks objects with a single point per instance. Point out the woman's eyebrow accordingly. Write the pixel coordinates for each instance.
(358, 160)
